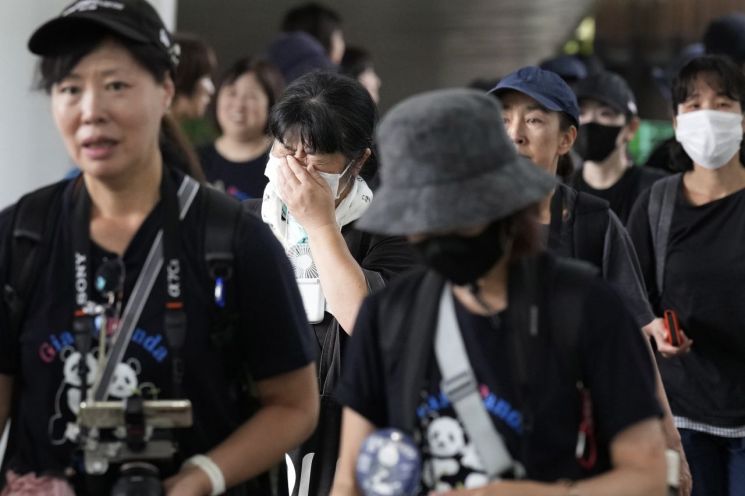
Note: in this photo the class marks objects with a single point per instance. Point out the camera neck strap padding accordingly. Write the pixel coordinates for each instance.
(461, 388)
(187, 191)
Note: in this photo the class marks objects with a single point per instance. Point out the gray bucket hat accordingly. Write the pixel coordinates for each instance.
(446, 162)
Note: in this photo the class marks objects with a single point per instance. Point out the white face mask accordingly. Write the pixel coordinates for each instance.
(710, 137)
(333, 180)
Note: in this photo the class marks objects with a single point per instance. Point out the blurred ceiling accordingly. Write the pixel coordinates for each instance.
(417, 44)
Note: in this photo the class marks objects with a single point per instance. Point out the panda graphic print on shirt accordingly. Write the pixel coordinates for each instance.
(125, 382)
(450, 459)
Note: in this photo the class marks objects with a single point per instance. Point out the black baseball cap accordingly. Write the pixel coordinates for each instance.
(545, 87)
(609, 88)
(134, 20)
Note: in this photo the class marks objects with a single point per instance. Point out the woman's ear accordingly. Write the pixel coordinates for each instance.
(357, 167)
(566, 141)
(169, 91)
(631, 128)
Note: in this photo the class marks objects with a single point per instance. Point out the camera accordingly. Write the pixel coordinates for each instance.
(123, 433)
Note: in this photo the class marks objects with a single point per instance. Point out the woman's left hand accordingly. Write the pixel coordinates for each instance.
(307, 196)
(189, 481)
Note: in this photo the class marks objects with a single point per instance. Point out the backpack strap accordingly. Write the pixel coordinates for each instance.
(221, 218)
(34, 220)
(590, 225)
(413, 328)
(662, 196)
(565, 324)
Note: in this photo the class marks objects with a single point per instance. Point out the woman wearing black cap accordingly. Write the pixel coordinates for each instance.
(608, 122)
(477, 359)
(192, 330)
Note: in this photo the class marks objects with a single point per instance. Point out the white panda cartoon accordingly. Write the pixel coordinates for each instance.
(68, 397)
(124, 380)
(446, 441)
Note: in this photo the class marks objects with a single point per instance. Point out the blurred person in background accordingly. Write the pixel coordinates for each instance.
(298, 53)
(725, 36)
(569, 67)
(608, 121)
(322, 23)
(235, 162)
(194, 86)
(358, 64)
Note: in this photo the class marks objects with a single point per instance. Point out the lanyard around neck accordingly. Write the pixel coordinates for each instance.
(166, 248)
(81, 242)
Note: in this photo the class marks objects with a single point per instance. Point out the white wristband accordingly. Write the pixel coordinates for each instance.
(214, 474)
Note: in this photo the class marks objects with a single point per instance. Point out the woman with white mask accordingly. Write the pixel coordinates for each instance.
(322, 130)
(689, 232)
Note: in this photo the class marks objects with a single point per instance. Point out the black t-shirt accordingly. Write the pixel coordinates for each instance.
(623, 194)
(704, 274)
(270, 313)
(242, 180)
(614, 365)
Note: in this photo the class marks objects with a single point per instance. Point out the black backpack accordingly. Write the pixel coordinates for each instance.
(585, 227)
(410, 326)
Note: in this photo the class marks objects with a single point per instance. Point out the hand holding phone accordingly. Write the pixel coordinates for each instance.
(672, 328)
(671, 340)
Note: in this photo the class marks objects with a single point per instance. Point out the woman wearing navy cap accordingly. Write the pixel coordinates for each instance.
(542, 117)
(108, 68)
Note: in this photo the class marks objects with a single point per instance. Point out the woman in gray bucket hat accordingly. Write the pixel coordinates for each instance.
(470, 371)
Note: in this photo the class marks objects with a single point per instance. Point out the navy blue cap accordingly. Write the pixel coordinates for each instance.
(545, 87)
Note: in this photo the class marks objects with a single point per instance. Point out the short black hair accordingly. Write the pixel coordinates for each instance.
(732, 83)
(196, 60)
(55, 68)
(328, 112)
(315, 19)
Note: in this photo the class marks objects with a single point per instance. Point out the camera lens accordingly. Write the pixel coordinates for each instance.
(138, 478)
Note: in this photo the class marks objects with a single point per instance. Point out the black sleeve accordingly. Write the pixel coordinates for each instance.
(271, 311)
(621, 268)
(362, 384)
(386, 257)
(641, 236)
(7, 346)
(616, 365)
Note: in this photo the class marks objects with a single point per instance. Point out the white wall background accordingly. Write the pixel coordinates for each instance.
(31, 152)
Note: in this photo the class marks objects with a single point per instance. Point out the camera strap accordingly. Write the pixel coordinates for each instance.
(461, 387)
(166, 246)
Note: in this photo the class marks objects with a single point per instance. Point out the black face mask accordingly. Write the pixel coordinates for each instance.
(462, 260)
(596, 142)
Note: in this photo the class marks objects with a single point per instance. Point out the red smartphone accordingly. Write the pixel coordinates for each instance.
(672, 329)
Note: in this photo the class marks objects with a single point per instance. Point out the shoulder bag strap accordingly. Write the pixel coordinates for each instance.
(461, 388)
